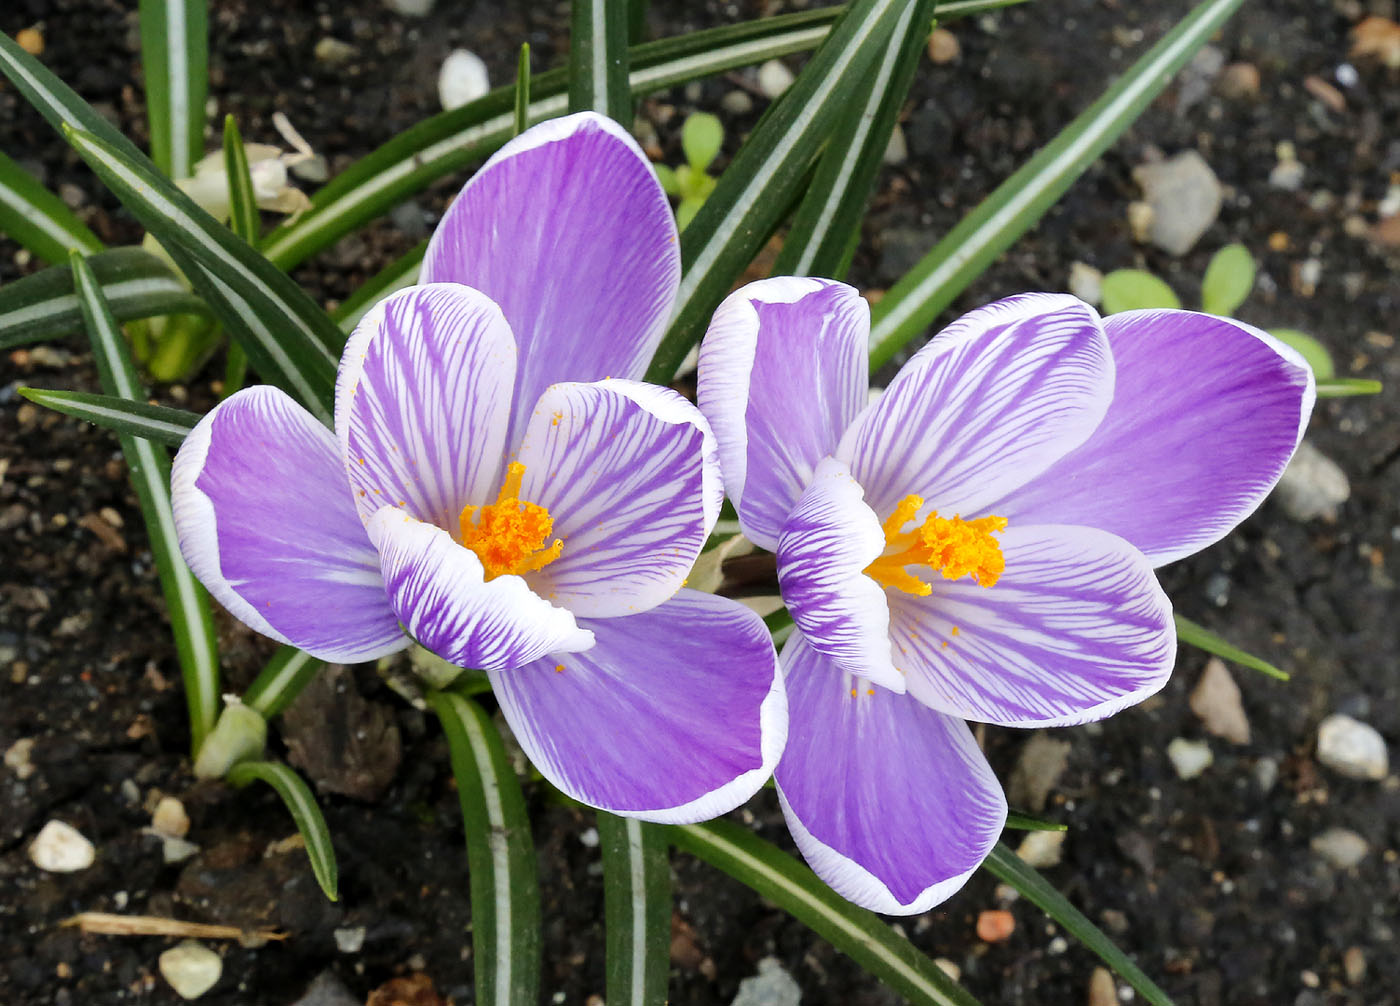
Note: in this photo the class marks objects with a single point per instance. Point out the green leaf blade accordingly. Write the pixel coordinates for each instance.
(242, 199)
(598, 61)
(1194, 634)
(796, 889)
(149, 465)
(38, 219)
(301, 803)
(1347, 387)
(156, 423)
(279, 683)
(1008, 867)
(913, 303)
(637, 910)
(505, 892)
(175, 58)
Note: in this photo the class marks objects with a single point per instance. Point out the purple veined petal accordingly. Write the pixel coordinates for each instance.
(439, 592)
(422, 400)
(568, 230)
(825, 547)
(783, 371)
(677, 715)
(891, 803)
(995, 399)
(1075, 629)
(1206, 414)
(630, 475)
(265, 521)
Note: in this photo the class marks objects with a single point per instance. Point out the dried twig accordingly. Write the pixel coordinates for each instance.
(109, 924)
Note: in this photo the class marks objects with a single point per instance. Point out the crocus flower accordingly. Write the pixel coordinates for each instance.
(976, 544)
(537, 530)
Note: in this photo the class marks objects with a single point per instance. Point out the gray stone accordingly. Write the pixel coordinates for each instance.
(1352, 748)
(462, 79)
(772, 986)
(1341, 847)
(774, 78)
(1312, 486)
(1042, 849)
(1185, 197)
(1189, 758)
(1042, 761)
(61, 848)
(333, 52)
(737, 102)
(191, 968)
(1216, 700)
(327, 990)
(1086, 283)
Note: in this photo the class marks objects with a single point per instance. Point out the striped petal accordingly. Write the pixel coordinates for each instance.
(630, 475)
(568, 230)
(1206, 414)
(677, 715)
(439, 592)
(783, 372)
(265, 520)
(826, 544)
(995, 399)
(891, 803)
(1075, 629)
(421, 402)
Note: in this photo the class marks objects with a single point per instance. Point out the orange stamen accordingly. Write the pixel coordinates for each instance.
(509, 535)
(951, 546)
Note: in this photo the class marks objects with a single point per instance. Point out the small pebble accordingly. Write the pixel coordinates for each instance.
(1042, 849)
(774, 78)
(1086, 283)
(736, 103)
(1185, 197)
(995, 925)
(1189, 758)
(462, 79)
(772, 986)
(897, 149)
(1103, 991)
(1140, 218)
(1352, 748)
(1239, 81)
(1341, 847)
(169, 818)
(191, 968)
(61, 848)
(1266, 774)
(943, 46)
(1354, 964)
(333, 51)
(948, 968)
(1057, 946)
(349, 939)
(589, 838)
(410, 8)
(17, 758)
(1312, 486)
(1216, 700)
(31, 40)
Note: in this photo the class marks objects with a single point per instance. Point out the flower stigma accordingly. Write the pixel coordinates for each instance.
(952, 546)
(509, 535)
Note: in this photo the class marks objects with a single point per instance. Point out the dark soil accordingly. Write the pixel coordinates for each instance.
(1210, 883)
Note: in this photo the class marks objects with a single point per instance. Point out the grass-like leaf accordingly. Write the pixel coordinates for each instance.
(637, 909)
(452, 141)
(505, 887)
(38, 219)
(175, 59)
(190, 618)
(856, 932)
(912, 304)
(300, 801)
(281, 681)
(598, 58)
(157, 423)
(1027, 822)
(134, 283)
(1193, 634)
(400, 273)
(767, 173)
(287, 336)
(827, 223)
(243, 217)
(1346, 387)
(1008, 867)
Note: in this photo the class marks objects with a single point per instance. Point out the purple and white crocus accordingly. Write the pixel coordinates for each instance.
(976, 544)
(538, 530)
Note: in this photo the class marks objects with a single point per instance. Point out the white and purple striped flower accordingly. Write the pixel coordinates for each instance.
(976, 544)
(540, 531)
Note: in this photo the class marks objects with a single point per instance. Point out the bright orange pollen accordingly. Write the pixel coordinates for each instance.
(508, 536)
(954, 547)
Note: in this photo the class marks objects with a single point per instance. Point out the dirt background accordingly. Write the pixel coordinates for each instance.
(1211, 883)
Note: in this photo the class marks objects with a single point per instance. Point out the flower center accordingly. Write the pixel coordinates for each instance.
(508, 536)
(954, 547)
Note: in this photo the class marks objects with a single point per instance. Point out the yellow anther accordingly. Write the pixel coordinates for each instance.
(509, 535)
(951, 546)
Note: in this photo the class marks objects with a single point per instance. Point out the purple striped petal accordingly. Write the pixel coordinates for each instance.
(567, 229)
(827, 543)
(783, 372)
(1206, 414)
(677, 715)
(265, 521)
(630, 476)
(995, 399)
(1076, 629)
(439, 592)
(891, 803)
(421, 402)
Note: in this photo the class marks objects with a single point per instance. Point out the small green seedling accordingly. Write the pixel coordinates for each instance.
(701, 137)
(1226, 285)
